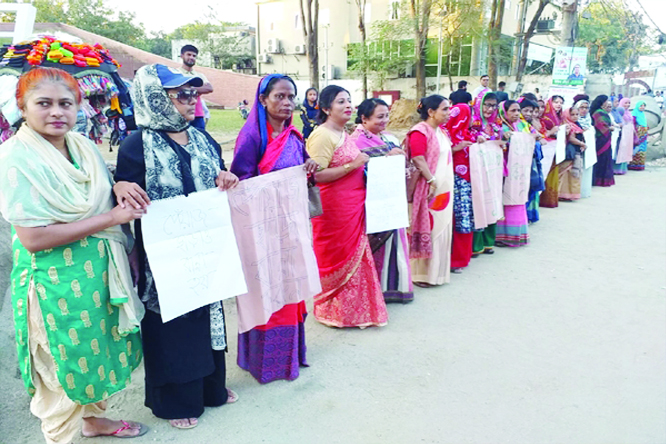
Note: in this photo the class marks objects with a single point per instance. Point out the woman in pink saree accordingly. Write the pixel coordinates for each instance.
(269, 142)
(351, 293)
(390, 249)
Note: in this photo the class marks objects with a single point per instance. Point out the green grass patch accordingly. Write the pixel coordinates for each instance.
(227, 121)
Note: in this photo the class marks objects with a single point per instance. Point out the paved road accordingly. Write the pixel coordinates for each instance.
(561, 342)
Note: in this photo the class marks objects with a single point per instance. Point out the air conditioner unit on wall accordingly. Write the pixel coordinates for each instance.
(265, 58)
(299, 49)
(273, 46)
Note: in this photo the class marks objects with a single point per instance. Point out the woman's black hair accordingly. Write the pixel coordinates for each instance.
(507, 104)
(597, 103)
(531, 97)
(273, 81)
(326, 98)
(428, 103)
(367, 108)
(527, 103)
(558, 97)
(312, 88)
(491, 96)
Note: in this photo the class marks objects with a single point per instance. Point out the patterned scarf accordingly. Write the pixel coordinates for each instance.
(173, 170)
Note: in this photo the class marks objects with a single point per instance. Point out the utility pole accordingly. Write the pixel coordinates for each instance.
(520, 35)
(569, 22)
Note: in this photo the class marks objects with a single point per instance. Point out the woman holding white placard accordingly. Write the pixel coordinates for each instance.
(185, 363)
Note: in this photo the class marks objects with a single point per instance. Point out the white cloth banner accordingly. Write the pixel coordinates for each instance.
(561, 145)
(386, 197)
(272, 224)
(486, 161)
(590, 153)
(548, 149)
(626, 149)
(192, 251)
(519, 164)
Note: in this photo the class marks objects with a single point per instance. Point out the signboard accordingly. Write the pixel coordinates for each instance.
(570, 66)
(539, 53)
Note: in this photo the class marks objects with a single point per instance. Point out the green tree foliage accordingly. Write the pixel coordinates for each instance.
(615, 37)
(390, 48)
(226, 48)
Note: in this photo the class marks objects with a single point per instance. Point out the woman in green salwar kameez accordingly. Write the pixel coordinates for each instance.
(76, 313)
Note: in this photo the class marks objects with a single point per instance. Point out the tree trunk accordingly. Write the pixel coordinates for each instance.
(361, 28)
(420, 12)
(494, 35)
(311, 34)
(528, 36)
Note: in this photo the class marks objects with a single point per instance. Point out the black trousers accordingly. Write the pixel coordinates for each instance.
(187, 400)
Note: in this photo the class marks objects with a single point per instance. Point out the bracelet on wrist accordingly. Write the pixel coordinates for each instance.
(432, 179)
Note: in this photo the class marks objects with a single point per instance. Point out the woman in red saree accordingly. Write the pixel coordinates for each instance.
(463, 216)
(351, 293)
(270, 142)
(550, 125)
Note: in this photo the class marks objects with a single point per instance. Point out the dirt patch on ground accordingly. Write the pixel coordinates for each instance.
(403, 114)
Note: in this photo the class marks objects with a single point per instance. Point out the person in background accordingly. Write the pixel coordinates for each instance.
(485, 126)
(188, 55)
(638, 161)
(603, 169)
(512, 231)
(485, 80)
(390, 249)
(351, 293)
(550, 125)
(501, 95)
(538, 94)
(309, 112)
(582, 104)
(529, 109)
(457, 128)
(270, 142)
(461, 95)
(571, 169)
(76, 313)
(185, 357)
(429, 150)
(623, 109)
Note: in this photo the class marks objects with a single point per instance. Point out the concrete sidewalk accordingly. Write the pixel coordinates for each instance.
(561, 342)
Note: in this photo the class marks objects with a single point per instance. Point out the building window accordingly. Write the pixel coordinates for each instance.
(394, 10)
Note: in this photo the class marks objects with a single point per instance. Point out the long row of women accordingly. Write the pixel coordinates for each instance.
(85, 303)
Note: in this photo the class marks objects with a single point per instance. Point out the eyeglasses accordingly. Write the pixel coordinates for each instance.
(485, 105)
(185, 96)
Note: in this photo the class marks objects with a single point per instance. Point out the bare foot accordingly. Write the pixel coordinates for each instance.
(185, 423)
(106, 427)
(231, 396)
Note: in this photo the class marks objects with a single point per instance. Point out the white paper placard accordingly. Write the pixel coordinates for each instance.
(561, 147)
(192, 251)
(386, 198)
(615, 135)
(590, 153)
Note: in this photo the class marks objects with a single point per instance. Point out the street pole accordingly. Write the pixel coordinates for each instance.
(439, 58)
(327, 70)
(569, 22)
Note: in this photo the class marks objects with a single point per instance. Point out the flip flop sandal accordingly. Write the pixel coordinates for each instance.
(184, 427)
(489, 251)
(231, 396)
(143, 429)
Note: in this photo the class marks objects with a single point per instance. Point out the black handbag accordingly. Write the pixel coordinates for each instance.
(314, 198)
